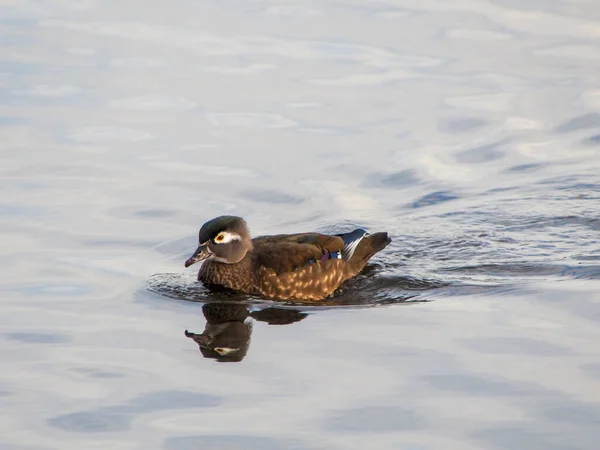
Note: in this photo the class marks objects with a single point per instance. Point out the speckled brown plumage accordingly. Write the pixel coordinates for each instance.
(296, 267)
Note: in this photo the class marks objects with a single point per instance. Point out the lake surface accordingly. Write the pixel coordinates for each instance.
(469, 130)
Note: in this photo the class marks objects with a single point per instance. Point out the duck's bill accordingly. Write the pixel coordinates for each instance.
(200, 254)
(200, 339)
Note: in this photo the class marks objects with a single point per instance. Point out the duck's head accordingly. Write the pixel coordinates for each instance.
(224, 239)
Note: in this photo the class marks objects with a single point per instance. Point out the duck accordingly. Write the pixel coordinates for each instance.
(287, 267)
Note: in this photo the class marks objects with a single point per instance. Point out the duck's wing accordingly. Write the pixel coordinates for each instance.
(286, 253)
(311, 266)
(323, 240)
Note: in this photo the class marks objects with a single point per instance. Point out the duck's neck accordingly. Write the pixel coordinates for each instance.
(237, 276)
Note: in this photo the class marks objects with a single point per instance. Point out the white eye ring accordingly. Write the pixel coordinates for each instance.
(226, 237)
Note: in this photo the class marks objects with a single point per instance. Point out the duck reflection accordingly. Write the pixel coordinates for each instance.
(226, 336)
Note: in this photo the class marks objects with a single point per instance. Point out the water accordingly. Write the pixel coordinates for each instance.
(468, 130)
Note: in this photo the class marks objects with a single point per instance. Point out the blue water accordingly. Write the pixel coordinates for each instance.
(467, 130)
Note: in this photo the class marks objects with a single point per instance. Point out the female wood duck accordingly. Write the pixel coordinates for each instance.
(303, 266)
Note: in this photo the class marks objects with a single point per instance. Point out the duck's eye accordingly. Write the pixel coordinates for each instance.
(220, 237)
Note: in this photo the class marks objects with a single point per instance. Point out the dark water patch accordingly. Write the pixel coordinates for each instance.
(532, 167)
(461, 125)
(10, 39)
(580, 415)
(165, 400)
(442, 247)
(105, 375)
(434, 198)
(583, 272)
(13, 211)
(132, 211)
(94, 373)
(375, 419)
(586, 257)
(9, 446)
(483, 289)
(91, 422)
(38, 338)
(154, 213)
(592, 370)
(541, 222)
(586, 187)
(272, 197)
(10, 121)
(592, 140)
(580, 271)
(475, 215)
(509, 269)
(514, 436)
(20, 68)
(516, 346)
(482, 154)
(571, 182)
(119, 243)
(411, 355)
(64, 290)
(579, 421)
(474, 385)
(590, 120)
(26, 185)
(502, 189)
(119, 417)
(396, 180)
(231, 442)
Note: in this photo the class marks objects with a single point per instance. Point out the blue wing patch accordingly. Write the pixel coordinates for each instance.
(351, 241)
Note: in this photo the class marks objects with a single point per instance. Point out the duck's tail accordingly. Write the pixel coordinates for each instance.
(360, 246)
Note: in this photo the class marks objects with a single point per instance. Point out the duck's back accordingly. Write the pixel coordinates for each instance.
(311, 266)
